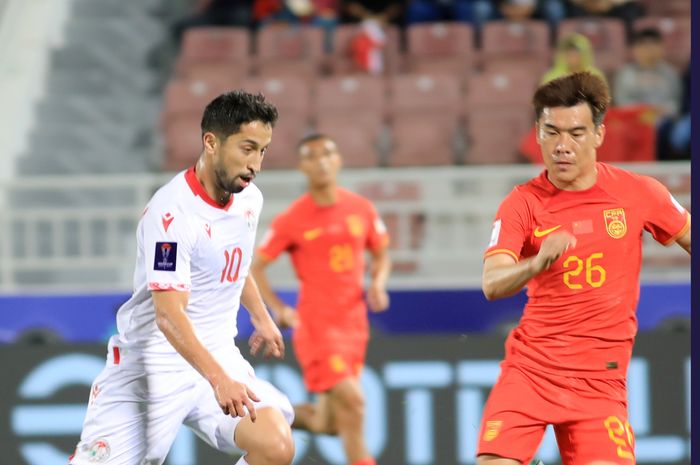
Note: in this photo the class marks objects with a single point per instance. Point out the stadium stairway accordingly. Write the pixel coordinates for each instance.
(100, 104)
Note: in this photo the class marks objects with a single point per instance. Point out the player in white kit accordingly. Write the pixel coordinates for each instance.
(174, 360)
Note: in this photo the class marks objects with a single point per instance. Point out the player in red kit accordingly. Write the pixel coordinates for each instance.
(573, 235)
(326, 232)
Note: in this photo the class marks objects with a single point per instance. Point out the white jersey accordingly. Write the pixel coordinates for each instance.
(187, 242)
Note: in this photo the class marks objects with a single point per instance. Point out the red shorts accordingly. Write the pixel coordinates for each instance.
(324, 367)
(589, 418)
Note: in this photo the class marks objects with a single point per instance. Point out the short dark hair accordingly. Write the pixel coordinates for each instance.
(226, 113)
(314, 136)
(646, 34)
(571, 90)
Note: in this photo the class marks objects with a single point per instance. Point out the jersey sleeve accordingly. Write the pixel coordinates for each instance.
(277, 239)
(666, 219)
(168, 243)
(511, 227)
(377, 235)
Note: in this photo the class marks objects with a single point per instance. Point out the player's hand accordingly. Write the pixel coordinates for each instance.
(287, 318)
(268, 337)
(553, 247)
(235, 398)
(377, 298)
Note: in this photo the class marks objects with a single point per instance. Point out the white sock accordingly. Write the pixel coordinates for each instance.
(242, 461)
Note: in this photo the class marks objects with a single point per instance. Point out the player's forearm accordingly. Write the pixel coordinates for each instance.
(253, 301)
(505, 281)
(380, 268)
(178, 330)
(269, 296)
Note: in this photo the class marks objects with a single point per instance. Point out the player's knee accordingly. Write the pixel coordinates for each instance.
(601, 462)
(278, 450)
(495, 460)
(350, 398)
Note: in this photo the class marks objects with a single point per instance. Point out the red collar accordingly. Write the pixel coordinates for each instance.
(198, 189)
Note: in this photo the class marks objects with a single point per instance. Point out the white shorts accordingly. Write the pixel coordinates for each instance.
(133, 416)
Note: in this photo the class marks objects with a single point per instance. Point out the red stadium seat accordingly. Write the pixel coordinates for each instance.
(282, 153)
(215, 45)
(188, 97)
(425, 112)
(607, 36)
(425, 95)
(357, 136)
(341, 60)
(440, 47)
(675, 8)
(676, 37)
(498, 115)
(283, 50)
(351, 94)
(509, 43)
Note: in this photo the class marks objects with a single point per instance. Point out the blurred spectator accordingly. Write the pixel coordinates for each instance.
(651, 81)
(552, 11)
(626, 10)
(317, 12)
(383, 11)
(216, 13)
(475, 12)
(321, 13)
(574, 53)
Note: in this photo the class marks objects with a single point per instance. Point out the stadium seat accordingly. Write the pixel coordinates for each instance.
(440, 47)
(676, 37)
(215, 45)
(425, 111)
(607, 36)
(357, 135)
(525, 43)
(190, 96)
(498, 115)
(341, 60)
(350, 94)
(283, 50)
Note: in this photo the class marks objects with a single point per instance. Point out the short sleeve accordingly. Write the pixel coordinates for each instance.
(377, 236)
(666, 219)
(510, 227)
(276, 239)
(168, 243)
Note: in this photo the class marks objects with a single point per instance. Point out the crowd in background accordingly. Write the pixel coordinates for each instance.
(647, 80)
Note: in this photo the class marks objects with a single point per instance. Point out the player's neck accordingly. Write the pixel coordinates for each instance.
(325, 195)
(206, 179)
(580, 183)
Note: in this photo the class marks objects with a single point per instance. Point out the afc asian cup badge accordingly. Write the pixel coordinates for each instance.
(615, 222)
(97, 451)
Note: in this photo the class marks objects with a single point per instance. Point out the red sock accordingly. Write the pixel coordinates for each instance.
(367, 461)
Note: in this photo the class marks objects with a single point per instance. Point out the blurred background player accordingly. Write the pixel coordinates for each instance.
(573, 236)
(326, 232)
(174, 360)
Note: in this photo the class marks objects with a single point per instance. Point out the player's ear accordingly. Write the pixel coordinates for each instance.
(210, 142)
(599, 135)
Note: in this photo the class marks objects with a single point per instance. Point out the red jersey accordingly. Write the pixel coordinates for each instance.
(327, 247)
(580, 316)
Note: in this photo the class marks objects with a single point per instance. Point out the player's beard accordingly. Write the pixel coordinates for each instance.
(227, 183)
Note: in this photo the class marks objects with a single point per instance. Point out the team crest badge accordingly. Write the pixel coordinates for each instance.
(355, 225)
(615, 222)
(250, 219)
(493, 427)
(97, 451)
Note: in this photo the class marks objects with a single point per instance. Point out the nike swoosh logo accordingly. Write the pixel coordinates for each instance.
(312, 234)
(539, 233)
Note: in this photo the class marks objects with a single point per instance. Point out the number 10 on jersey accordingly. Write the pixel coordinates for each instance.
(233, 259)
